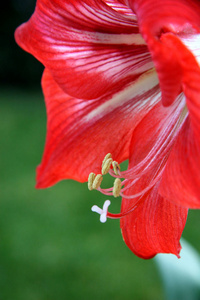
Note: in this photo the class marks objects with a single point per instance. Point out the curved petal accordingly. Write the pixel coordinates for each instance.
(155, 226)
(155, 20)
(152, 141)
(188, 48)
(182, 171)
(80, 133)
(91, 48)
(166, 16)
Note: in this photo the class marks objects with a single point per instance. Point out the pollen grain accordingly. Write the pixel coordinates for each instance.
(117, 187)
(109, 155)
(106, 166)
(97, 181)
(116, 167)
(91, 178)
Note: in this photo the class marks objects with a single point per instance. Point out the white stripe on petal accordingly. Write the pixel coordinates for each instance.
(145, 83)
(192, 42)
(105, 38)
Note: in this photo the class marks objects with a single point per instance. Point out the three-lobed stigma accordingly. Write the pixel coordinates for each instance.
(103, 212)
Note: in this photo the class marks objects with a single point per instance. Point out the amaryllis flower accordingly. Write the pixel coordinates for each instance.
(123, 77)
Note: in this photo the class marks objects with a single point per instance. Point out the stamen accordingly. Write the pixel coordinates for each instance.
(153, 163)
(102, 212)
(116, 167)
(106, 166)
(142, 192)
(97, 181)
(117, 187)
(109, 155)
(91, 178)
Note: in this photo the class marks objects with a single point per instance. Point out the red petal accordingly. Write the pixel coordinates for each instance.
(190, 66)
(181, 179)
(166, 15)
(91, 48)
(80, 133)
(155, 19)
(153, 139)
(155, 226)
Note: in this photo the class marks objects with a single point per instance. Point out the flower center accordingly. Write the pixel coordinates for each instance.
(150, 168)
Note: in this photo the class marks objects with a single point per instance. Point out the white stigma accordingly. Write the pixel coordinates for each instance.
(103, 212)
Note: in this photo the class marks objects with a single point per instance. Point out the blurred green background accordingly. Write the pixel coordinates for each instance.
(51, 245)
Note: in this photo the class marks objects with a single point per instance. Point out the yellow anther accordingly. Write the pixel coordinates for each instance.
(116, 167)
(91, 178)
(117, 187)
(105, 158)
(106, 166)
(97, 181)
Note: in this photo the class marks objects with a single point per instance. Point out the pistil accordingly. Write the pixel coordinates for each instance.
(103, 212)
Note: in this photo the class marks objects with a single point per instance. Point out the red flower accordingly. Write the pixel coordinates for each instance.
(123, 77)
